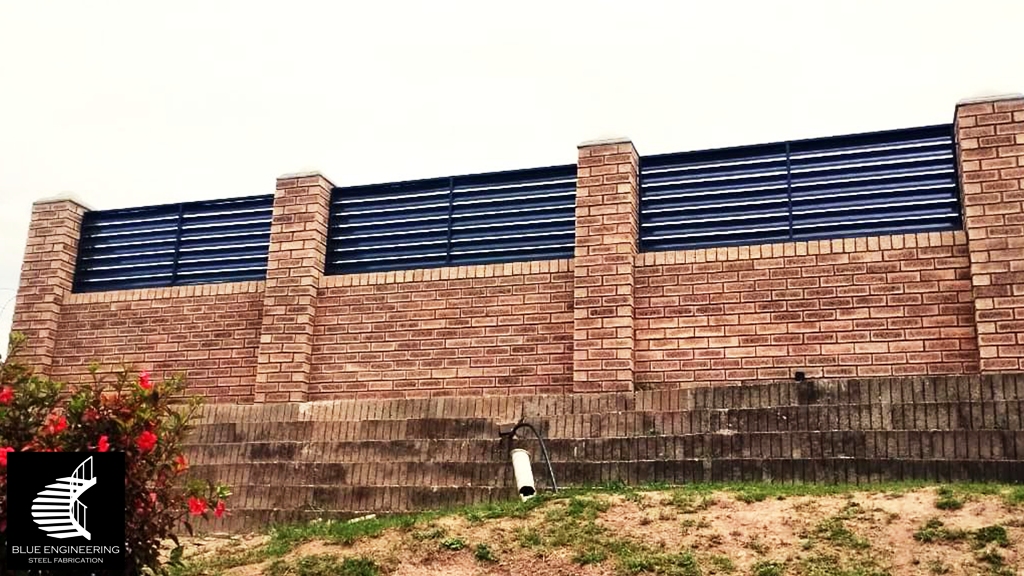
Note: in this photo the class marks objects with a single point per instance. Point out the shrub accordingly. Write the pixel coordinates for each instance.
(131, 414)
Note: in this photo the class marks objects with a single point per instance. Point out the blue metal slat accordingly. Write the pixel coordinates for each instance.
(152, 246)
(491, 217)
(879, 183)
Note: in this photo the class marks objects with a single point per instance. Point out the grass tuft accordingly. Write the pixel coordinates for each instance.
(768, 568)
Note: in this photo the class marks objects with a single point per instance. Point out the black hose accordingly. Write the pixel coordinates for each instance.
(543, 449)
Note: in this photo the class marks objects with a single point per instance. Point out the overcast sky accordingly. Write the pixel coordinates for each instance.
(136, 103)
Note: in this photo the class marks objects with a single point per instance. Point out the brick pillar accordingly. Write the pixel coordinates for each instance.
(607, 228)
(298, 246)
(990, 148)
(47, 274)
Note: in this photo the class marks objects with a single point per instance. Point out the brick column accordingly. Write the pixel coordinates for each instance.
(990, 148)
(298, 246)
(607, 228)
(47, 274)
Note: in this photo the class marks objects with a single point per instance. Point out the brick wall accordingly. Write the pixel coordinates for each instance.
(342, 458)
(880, 306)
(990, 136)
(609, 319)
(211, 332)
(471, 330)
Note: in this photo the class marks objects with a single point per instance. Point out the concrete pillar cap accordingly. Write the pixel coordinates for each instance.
(63, 197)
(605, 141)
(992, 98)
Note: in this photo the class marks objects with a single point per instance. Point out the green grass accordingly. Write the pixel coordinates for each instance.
(483, 553)
(323, 565)
(947, 499)
(570, 521)
(721, 564)
(835, 531)
(829, 565)
(590, 556)
(767, 568)
(990, 535)
(454, 544)
(935, 531)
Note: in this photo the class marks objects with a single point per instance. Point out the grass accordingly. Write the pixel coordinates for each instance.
(569, 521)
(323, 565)
(935, 531)
(454, 544)
(721, 564)
(947, 499)
(483, 553)
(768, 568)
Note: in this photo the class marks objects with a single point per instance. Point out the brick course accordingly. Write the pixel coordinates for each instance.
(470, 330)
(879, 306)
(210, 332)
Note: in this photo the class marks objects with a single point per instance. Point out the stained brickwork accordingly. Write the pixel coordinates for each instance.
(292, 461)
(210, 332)
(607, 220)
(471, 330)
(880, 306)
(990, 138)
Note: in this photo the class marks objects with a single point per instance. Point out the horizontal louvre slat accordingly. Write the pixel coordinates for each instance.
(195, 242)
(864, 184)
(496, 217)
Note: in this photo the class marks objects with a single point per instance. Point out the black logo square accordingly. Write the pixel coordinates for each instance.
(65, 511)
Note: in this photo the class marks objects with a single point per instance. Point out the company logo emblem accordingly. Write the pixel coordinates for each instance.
(56, 509)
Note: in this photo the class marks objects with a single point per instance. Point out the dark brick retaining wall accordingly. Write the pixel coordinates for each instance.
(292, 461)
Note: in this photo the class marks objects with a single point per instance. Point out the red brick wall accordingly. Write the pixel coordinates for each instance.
(211, 332)
(990, 136)
(472, 330)
(893, 305)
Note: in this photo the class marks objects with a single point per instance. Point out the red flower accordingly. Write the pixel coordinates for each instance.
(144, 382)
(3, 455)
(180, 464)
(146, 441)
(196, 506)
(220, 509)
(56, 424)
(103, 445)
(6, 395)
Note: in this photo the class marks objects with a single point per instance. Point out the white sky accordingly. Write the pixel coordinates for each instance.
(136, 103)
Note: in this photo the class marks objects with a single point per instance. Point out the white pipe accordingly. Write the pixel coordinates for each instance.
(524, 473)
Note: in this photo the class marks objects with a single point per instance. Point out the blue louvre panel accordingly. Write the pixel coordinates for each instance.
(872, 184)
(860, 185)
(514, 216)
(389, 226)
(714, 198)
(483, 218)
(176, 244)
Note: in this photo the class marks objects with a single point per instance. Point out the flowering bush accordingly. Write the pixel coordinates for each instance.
(131, 414)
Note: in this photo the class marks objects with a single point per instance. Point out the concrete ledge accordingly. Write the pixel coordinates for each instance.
(993, 98)
(605, 141)
(63, 197)
(304, 174)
